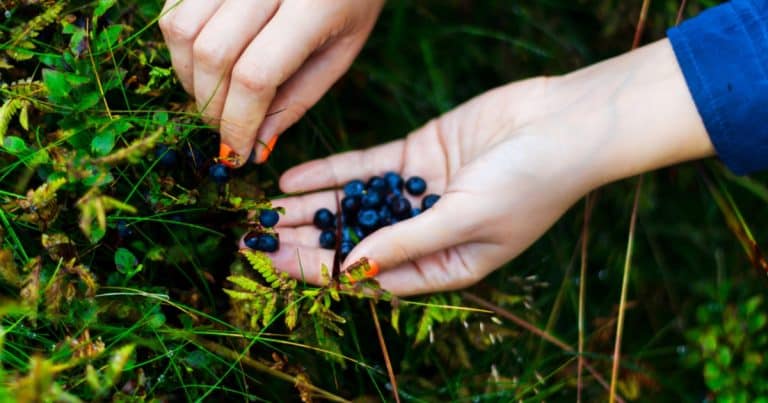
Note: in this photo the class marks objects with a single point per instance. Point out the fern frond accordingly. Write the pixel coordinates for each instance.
(21, 44)
(7, 111)
(261, 263)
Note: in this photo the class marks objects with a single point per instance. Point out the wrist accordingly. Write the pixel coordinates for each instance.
(626, 115)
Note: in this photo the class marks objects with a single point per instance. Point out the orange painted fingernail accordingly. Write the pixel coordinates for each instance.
(229, 157)
(268, 149)
(362, 269)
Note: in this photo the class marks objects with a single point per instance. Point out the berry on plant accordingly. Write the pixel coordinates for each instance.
(328, 239)
(324, 219)
(219, 173)
(269, 218)
(415, 185)
(123, 230)
(429, 201)
(167, 156)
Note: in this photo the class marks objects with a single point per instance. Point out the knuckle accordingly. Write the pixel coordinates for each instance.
(178, 30)
(252, 79)
(208, 53)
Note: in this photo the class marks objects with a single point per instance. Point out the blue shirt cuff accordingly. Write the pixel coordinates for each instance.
(723, 54)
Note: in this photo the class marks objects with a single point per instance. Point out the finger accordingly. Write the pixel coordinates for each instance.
(276, 54)
(452, 269)
(180, 23)
(302, 262)
(303, 90)
(217, 47)
(300, 210)
(451, 221)
(339, 169)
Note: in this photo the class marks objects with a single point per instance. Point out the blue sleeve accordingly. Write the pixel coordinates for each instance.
(723, 53)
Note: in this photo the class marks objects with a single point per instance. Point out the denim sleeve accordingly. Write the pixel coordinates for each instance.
(723, 54)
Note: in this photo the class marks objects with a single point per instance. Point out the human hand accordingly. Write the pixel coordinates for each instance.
(255, 67)
(508, 164)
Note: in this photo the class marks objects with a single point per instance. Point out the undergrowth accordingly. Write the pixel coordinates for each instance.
(121, 279)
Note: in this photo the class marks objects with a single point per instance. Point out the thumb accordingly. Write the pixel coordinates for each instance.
(436, 229)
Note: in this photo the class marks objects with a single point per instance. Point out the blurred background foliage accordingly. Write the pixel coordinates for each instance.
(160, 328)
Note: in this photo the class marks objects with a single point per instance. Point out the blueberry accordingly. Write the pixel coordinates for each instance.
(429, 201)
(123, 230)
(401, 207)
(267, 243)
(359, 233)
(251, 240)
(195, 156)
(354, 188)
(345, 248)
(415, 211)
(350, 204)
(167, 156)
(324, 219)
(371, 199)
(378, 184)
(385, 215)
(415, 185)
(219, 173)
(368, 219)
(395, 181)
(346, 234)
(328, 239)
(269, 218)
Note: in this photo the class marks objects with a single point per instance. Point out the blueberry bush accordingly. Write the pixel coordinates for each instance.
(121, 278)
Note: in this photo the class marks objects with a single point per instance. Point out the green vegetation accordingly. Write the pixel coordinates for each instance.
(120, 278)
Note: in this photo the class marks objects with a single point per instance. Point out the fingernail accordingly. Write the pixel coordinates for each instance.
(229, 157)
(362, 269)
(268, 148)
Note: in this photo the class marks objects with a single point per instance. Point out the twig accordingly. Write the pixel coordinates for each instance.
(588, 200)
(383, 345)
(624, 286)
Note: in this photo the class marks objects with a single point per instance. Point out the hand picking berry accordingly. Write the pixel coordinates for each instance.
(268, 218)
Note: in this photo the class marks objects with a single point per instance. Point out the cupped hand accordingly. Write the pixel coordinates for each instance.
(255, 67)
(508, 164)
(502, 186)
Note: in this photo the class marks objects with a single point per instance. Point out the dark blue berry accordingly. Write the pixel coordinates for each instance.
(167, 156)
(359, 233)
(123, 230)
(195, 156)
(354, 188)
(328, 239)
(269, 218)
(267, 243)
(415, 185)
(378, 184)
(395, 181)
(350, 204)
(429, 201)
(368, 219)
(415, 211)
(346, 234)
(251, 240)
(371, 199)
(219, 173)
(401, 207)
(385, 215)
(324, 219)
(345, 248)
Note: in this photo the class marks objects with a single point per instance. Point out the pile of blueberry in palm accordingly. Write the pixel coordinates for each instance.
(367, 207)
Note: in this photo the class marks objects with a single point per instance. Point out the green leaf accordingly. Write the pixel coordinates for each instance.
(107, 38)
(102, 7)
(103, 143)
(15, 145)
(126, 262)
(56, 83)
